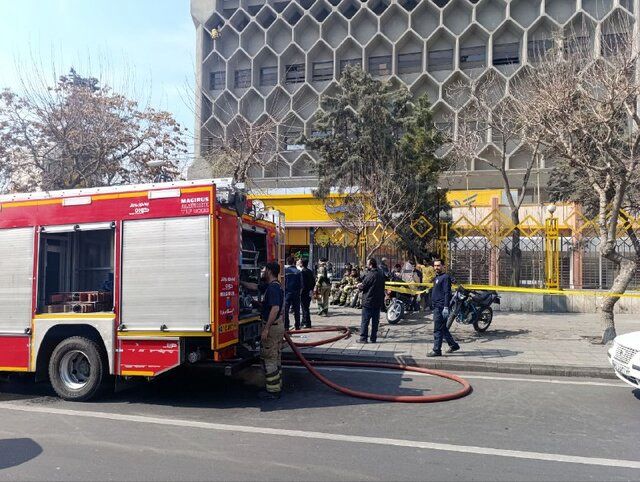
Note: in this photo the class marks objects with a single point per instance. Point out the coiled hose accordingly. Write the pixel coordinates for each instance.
(345, 333)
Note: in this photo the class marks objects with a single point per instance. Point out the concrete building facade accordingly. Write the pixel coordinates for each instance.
(276, 58)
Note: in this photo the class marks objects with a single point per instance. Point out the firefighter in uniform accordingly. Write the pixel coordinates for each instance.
(323, 287)
(351, 284)
(272, 334)
(336, 289)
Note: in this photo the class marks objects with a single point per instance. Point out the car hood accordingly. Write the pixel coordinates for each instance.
(630, 340)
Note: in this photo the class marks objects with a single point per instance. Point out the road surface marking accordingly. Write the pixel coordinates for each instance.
(474, 377)
(333, 437)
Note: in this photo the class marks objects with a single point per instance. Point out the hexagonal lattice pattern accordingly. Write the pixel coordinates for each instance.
(275, 59)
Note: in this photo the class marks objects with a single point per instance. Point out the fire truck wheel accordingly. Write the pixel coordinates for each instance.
(77, 369)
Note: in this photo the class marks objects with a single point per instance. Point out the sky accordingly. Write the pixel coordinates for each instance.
(145, 48)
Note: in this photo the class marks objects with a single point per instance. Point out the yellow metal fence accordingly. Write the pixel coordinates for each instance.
(559, 249)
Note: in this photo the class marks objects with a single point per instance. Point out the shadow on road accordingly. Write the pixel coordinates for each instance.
(202, 388)
(206, 388)
(17, 451)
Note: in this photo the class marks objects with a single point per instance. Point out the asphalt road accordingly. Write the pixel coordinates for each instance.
(203, 426)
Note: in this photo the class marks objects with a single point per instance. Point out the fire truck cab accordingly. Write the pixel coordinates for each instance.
(129, 281)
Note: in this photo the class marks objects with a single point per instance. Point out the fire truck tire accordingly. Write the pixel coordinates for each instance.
(78, 369)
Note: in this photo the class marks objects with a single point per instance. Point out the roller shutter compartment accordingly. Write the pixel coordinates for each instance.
(165, 274)
(16, 279)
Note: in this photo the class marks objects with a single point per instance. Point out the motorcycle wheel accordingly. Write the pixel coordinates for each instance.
(395, 312)
(452, 316)
(484, 320)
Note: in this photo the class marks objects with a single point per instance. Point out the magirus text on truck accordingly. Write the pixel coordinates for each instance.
(129, 281)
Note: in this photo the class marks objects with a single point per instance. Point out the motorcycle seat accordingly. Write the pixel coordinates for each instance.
(483, 296)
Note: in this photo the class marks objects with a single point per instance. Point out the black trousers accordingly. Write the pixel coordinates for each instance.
(292, 302)
(305, 305)
(369, 315)
(440, 331)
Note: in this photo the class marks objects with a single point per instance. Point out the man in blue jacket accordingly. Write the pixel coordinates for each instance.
(292, 290)
(440, 298)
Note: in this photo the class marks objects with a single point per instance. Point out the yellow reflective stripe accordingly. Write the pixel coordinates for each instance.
(403, 287)
(136, 373)
(164, 334)
(64, 316)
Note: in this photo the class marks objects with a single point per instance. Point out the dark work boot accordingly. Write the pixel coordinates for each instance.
(452, 349)
(265, 395)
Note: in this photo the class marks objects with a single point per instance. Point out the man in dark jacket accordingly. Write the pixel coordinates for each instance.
(440, 298)
(372, 288)
(308, 283)
(292, 290)
(384, 267)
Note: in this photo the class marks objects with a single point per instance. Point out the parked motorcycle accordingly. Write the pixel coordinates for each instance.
(397, 304)
(472, 307)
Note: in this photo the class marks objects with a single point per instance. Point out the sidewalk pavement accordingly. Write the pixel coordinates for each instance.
(551, 344)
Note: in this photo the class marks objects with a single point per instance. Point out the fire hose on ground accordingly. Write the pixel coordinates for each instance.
(345, 333)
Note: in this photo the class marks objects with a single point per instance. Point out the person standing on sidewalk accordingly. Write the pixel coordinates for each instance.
(372, 288)
(271, 336)
(292, 291)
(323, 288)
(428, 275)
(308, 283)
(440, 298)
(384, 267)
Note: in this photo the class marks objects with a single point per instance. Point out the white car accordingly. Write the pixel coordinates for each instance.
(624, 356)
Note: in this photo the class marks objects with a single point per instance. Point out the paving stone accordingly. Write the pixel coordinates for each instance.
(553, 344)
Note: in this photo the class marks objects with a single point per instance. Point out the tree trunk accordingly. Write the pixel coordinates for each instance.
(626, 272)
(516, 252)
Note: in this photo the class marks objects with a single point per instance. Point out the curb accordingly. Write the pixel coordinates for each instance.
(470, 366)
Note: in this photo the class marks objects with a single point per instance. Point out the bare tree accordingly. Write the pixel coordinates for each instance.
(581, 101)
(487, 116)
(79, 133)
(241, 149)
(375, 216)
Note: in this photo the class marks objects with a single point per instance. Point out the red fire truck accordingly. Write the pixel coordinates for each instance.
(129, 281)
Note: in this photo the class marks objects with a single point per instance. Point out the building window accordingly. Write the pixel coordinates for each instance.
(440, 60)
(444, 127)
(473, 57)
(577, 44)
(280, 6)
(356, 62)
(291, 140)
(242, 78)
(380, 65)
(216, 80)
(323, 71)
(294, 74)
(409, 63)
(615, 43)
(537, 48)
(268, 75)
(506, 54)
